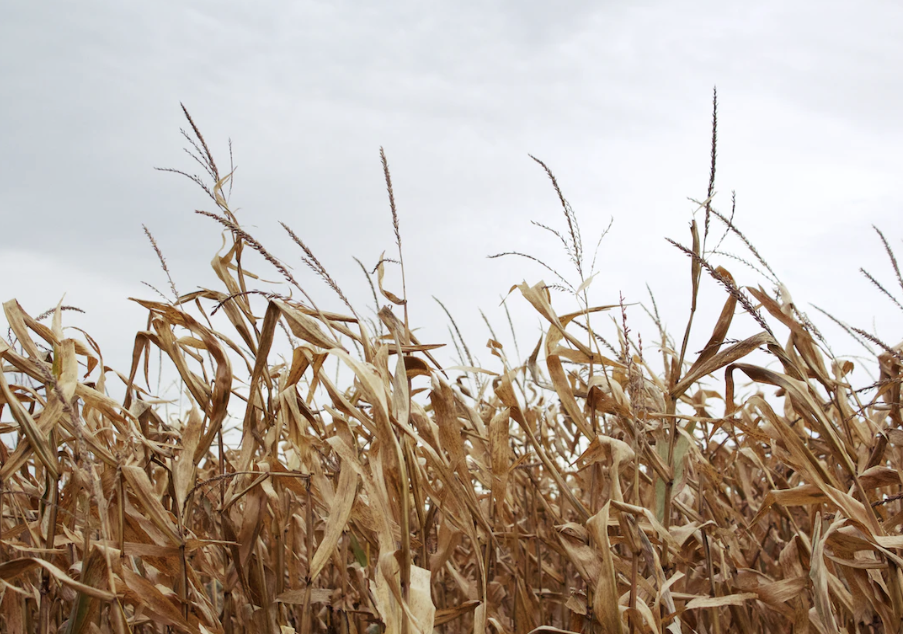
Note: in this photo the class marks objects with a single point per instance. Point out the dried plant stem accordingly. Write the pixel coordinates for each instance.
(53, 503)
(397, 229)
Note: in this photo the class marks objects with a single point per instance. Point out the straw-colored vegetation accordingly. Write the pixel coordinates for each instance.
(580, 490)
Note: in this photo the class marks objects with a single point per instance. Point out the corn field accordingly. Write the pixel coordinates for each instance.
(609, 483)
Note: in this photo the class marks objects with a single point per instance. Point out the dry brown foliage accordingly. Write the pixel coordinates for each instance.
(573, 492)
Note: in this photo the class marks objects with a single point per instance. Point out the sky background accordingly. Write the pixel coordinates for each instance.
(614, 97)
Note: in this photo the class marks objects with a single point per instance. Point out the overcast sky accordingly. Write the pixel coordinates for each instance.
(614, 97)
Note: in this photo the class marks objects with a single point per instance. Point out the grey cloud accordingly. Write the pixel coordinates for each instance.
(615, 96)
